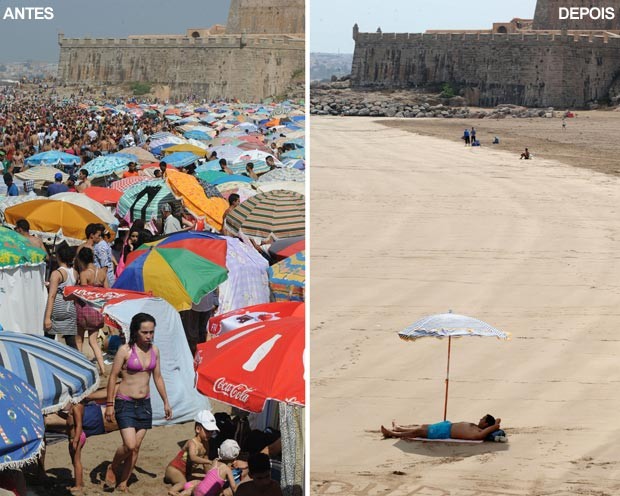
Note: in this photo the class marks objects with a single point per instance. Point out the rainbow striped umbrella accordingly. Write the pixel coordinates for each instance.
(180, 268)
(279, 213)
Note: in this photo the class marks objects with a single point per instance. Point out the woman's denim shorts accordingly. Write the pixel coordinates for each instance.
(133, 413)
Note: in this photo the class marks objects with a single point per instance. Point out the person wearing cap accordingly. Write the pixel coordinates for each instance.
(220, 473)
(171, 223)
(194, 451)
(261, 483)
(57, 186)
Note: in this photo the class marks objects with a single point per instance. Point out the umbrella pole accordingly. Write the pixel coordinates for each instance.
(445, 405)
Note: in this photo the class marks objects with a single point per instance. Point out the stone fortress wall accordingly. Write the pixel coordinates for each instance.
(243, 65)
(266, 16)
(525, 67)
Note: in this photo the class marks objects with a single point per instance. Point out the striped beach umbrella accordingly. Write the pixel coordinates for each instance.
(58, 373)
(21, 422)
(127, 182)
(278, 213)
(449, 325)
(144, 200)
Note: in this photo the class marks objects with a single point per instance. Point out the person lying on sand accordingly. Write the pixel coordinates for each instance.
(445, 430)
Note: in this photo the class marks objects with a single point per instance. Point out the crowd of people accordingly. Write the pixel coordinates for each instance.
(37, 121)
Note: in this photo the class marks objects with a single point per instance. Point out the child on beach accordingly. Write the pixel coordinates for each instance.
(220, 473)
(194, 451)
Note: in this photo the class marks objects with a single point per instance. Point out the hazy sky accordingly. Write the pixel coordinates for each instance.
(331, 21)
(38, 40)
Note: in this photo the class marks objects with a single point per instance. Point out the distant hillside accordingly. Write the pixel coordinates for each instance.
(325, 65)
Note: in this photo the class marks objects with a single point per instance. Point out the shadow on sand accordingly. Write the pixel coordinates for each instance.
(447, 450)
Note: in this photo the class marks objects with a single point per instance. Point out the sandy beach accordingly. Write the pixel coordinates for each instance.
(405, 225)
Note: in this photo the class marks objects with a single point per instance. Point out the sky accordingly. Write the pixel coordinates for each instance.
(37, 40)
(331, 21)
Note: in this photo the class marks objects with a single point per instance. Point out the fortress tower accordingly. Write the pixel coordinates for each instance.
(266, 17)
(547, 16)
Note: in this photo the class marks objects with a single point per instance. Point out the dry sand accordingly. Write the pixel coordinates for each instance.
(405, 226)
(160, 446)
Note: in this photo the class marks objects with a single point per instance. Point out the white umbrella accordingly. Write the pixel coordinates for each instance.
(449, 325)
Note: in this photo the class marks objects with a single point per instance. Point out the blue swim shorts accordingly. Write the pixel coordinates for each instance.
(440, 430)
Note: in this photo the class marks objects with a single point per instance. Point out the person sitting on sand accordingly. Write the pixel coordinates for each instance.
(445, 430)
(194, 451)
(220, 473)
(525, 154)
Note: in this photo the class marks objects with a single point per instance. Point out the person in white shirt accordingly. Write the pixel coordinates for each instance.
(171, 223)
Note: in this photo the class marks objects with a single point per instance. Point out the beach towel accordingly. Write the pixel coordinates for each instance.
(449, 440)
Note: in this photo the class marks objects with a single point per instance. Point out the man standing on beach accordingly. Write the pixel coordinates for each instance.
(466, 136)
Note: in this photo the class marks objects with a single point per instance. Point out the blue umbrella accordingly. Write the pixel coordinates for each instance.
(181, 159)
(298, 153)
(53, 157)
(107, 164)
(202, 109)
(57, 372)
(218, 177)
(199, 135)
(21, 422)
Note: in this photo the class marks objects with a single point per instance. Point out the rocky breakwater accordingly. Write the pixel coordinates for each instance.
(337, 98)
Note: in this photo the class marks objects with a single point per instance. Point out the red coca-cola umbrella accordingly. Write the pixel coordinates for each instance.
(249, 365)
(246, 316)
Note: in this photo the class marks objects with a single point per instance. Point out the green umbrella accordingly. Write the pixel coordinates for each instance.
(15, 250)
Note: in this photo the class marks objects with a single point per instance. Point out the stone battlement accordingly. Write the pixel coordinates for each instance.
(215, 41)
(531, 38)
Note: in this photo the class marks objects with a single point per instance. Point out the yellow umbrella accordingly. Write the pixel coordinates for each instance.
(185, 147)
(50, 216)
(187, 188)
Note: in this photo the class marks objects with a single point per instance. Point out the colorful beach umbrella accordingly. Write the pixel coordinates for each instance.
(188, 189)
(252, 364)
(180, 268)
(186, 147)
(287, 247)
(53, 157)
(107, 164)
(105, 196)
(49, 216)
(278, 213)
(15, 250)
(254, 314)
(21, 422)
(58, 373)
(283, 175)
(449, 325)
(287, 278)
(180, 159)
(219, 177)
(143, 156)
(93, 206)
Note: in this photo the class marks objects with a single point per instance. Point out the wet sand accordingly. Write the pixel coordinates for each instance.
(404, 226)
(589, 139)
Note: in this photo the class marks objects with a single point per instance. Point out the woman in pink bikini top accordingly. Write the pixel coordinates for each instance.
(131, 406)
